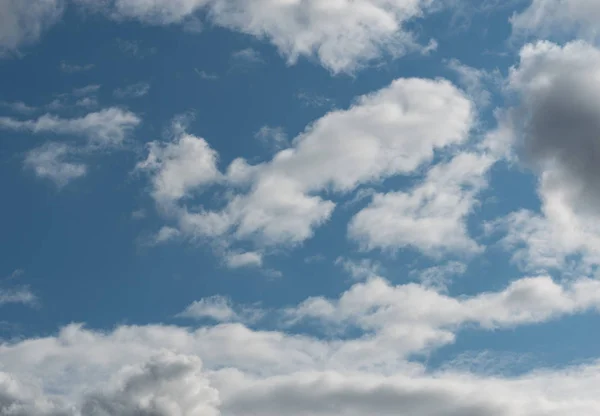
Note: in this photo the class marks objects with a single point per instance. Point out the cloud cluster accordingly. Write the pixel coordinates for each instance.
(157, 370)
(104, 129)
(341, 35)
(390, 132)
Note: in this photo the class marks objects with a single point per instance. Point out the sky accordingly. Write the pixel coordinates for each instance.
(299, 207)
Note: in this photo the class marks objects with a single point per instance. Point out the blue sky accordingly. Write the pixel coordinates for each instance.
(266, 207)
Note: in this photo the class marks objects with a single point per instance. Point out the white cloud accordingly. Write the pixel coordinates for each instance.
(231, 370)
(22, 295)
(216, 307)
(430, 217)
(87, 102)
(87, 90)
(179, 167)
(559, 18)
(272, 136)
(22, 23)
(205, 75)
(247, 56)
(137, 90)
(108, 127)
(247, 259)
(556, 127)
(401, 311)
(49, 161)
(391, 132)
(360, 269)
(342, 36)
(474, 81)
(19, 107)
(167, 384)
(166, 234)
(438, 277)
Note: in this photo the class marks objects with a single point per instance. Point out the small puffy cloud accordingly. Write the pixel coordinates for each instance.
(205, 75)
(217, 308)
(179, 166)
(22, 23)
(360, 269)
(137, 90)
(22, 295)
(107, 127)
(50, 161)
(246, 259)
(272, 136)
(247, 56)
(430, 217)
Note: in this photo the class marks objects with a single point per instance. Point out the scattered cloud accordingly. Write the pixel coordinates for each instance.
(72, 68)
(430, 217)
(50, 161)
(248, 56)
(475, 81)
(107, 127)
(340, 151)
(247, 259)
(22, 23)
(20, 295)
(360, 269)
(273, 137)
(314, 100)
(137, 90)
(87, 90)
(355, 33)
(205, 75)
(134, 48)
(559, 19)
(18, 107)
(439, 277)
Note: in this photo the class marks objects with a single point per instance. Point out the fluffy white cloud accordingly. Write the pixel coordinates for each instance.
(556, 126)
(216, 307)
(156, 369)
(342, 35)
(552, 18)
(179, 167)
(22, 23)
(246, 259)
(397, 311)
(391, 132)
(220, 309)
(108, 127)
(49, 161)
(430, 217)
(166, 385)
